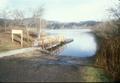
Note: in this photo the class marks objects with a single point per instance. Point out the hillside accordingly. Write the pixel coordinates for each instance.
(57, 25)
(71, 25)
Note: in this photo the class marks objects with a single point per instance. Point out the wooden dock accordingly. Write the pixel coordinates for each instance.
(49, 42)
(59, 43)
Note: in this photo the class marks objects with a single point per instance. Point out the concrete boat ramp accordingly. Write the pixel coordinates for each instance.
(18, 51)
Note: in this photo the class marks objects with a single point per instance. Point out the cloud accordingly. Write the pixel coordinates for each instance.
(65, 10)
(86, 10)
(4, 3)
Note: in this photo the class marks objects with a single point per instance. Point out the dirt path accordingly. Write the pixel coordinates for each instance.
(38, 67)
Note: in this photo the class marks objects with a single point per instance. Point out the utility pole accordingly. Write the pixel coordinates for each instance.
(39, 28)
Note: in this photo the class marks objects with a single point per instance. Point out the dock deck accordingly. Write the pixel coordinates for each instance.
(49, 42)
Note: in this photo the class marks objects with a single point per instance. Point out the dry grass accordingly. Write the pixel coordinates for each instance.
(108, 56)
(6, 42)
(107, 29)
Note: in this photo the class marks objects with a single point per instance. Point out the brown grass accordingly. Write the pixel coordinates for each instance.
(6, 42)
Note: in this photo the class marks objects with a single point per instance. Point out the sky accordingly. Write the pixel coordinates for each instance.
(65, 10)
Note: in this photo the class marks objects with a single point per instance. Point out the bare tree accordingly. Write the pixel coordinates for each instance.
(37, 15)
(108, 56)
(110, 28)
(19, 17)
(115, 13)
(5, 13)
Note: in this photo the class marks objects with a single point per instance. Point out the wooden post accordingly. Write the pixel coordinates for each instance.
(22, 39)
(12, 37)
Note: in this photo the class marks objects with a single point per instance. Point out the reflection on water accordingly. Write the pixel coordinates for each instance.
(84, 43)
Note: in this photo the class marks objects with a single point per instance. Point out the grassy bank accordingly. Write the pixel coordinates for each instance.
(7, 44)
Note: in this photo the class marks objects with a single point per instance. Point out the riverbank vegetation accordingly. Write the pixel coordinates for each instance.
(108, 55)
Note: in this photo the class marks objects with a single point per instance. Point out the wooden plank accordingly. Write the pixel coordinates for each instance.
(57, 44)
(52, 46)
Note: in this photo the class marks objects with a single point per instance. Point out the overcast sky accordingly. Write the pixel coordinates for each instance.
(65, 10)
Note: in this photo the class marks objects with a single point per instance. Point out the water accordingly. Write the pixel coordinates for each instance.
(84, 44)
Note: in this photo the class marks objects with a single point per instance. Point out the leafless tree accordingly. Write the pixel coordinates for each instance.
(19, 17)
(110, 28)
(37, 15)
(5, 13)
(115, 13)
